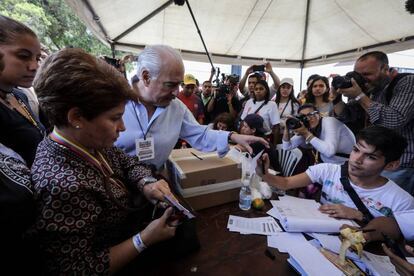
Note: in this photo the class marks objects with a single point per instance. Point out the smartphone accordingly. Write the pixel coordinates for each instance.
(259, 68)
(395, 248)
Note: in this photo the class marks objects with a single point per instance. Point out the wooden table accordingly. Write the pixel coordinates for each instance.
(223, 252)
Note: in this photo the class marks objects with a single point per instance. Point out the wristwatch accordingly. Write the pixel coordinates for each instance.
(145, 181)
(360, 96)
(230, 134)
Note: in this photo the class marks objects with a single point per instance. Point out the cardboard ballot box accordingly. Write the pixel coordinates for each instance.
(204, 179)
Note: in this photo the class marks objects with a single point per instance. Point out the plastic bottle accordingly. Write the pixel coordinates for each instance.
(245, 196)
(183, 144)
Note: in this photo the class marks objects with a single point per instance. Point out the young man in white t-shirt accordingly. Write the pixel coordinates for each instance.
(377, 149)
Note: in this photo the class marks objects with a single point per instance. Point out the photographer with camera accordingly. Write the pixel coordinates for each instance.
(329, 140)
(389, 102)
(225, 98)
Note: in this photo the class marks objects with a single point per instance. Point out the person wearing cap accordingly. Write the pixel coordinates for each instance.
(190, 99)
(261, 105)
(253, 124)
(286, 102)
(226, 100)
(157, 120)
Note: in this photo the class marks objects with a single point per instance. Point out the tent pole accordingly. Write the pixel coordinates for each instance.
(96, 18)
(301, 75)
(305, 40)
(199, 33)
(113, 50)
(145, 19)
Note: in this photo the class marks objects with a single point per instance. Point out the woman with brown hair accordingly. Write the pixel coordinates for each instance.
(89, 194)
(318, 95)
(21, 130)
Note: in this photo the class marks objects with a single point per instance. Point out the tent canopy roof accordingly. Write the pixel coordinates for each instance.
(253, 31)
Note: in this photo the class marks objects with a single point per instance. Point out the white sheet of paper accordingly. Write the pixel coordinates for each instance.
(380, 265)
(304, 254)
(262, 226)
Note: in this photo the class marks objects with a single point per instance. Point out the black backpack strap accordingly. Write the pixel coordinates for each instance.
(260, 107)
(393, 83)
(367, 216)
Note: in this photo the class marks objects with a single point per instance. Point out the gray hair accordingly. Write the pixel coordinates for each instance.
(151, 59)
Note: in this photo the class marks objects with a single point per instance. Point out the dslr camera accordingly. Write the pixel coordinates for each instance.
(295, 122)
(345, 81)
(223, 89)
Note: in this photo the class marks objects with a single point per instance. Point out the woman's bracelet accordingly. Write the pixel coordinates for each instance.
(309, 138)
(138, 243)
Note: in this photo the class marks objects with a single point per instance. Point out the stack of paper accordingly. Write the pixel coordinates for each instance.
(304, 257)
(262, 226)
(302, 215)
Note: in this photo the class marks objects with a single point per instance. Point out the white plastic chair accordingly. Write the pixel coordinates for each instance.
(288, 159)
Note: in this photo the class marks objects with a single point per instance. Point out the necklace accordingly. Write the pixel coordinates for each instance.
(15, 103)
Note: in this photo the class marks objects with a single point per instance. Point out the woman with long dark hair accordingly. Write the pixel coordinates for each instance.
(318, 95)
(261, 105)
(286, 102)
(21, 129)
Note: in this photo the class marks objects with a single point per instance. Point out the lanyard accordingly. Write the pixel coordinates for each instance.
(99, 162)
(139, 122)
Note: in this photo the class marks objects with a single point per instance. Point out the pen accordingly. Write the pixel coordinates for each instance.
(196, 156)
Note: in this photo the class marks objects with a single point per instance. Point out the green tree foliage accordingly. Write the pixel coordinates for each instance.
(55, 24)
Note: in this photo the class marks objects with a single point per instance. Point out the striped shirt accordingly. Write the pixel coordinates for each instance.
(398, 114)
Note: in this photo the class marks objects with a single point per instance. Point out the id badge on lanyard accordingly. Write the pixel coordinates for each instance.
(145, 148)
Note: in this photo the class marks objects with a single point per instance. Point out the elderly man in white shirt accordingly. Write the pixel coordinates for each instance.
(157, 120)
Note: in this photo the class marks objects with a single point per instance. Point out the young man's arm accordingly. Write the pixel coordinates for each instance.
(280, 182)
(287, 183)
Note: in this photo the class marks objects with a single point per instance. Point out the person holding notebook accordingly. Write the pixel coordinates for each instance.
(377, 149)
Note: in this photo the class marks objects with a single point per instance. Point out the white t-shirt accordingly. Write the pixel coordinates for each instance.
(268, 112)
(381, 201)
(405, 220)
(285, 110)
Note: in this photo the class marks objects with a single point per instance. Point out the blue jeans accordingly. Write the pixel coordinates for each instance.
(404, 177)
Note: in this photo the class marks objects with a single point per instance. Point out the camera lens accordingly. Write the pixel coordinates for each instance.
(293, 123)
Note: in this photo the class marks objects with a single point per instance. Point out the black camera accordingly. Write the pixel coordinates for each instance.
(112, 61)
(295, 122)
(345, 81)
(223, 89)
(258, 68)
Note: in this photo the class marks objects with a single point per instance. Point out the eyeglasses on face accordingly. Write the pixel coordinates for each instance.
(312, 114)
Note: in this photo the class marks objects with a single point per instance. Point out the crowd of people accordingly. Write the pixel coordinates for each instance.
(82, 149)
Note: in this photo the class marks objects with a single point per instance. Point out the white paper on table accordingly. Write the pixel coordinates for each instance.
(274, 213)
(380, 265)
(282, 240)
(304, 254)
(262, 226)
(333, 243)
(303, 215)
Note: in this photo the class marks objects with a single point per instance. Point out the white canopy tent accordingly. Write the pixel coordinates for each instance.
(288, 33)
